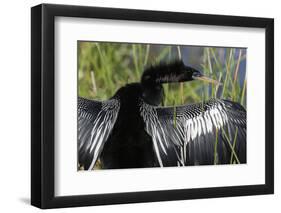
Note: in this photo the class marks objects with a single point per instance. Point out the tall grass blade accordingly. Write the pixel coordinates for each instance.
(234, 144)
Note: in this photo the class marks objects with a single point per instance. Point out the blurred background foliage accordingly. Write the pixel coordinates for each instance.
(104, 67)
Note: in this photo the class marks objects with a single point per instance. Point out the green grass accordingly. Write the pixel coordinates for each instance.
(105, 67)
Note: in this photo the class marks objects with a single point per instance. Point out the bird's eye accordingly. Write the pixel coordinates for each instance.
(196, 74)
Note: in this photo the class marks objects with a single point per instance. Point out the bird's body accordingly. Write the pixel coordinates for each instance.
(130, 130)
(129, 145)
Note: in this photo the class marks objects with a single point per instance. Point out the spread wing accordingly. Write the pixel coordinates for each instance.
(95, 122)
(212, 132)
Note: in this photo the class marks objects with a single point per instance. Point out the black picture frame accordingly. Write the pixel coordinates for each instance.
(43, 117)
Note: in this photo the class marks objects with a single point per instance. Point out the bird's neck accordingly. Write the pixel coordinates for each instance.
(152, 94)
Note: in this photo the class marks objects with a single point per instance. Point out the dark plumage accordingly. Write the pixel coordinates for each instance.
(130, 130)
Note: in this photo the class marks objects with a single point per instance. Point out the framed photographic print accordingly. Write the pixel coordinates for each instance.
(140, 106)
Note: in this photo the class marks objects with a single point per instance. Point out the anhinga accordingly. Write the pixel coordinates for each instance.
(131, 130)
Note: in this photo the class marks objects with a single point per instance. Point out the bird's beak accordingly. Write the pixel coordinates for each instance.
(206, 79)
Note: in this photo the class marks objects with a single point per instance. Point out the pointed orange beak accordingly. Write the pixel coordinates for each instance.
(207, 80)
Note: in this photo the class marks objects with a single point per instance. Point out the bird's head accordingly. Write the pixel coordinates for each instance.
(154, 76)
(173, 73)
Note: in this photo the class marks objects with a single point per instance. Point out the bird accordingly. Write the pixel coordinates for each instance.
(132, 130)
